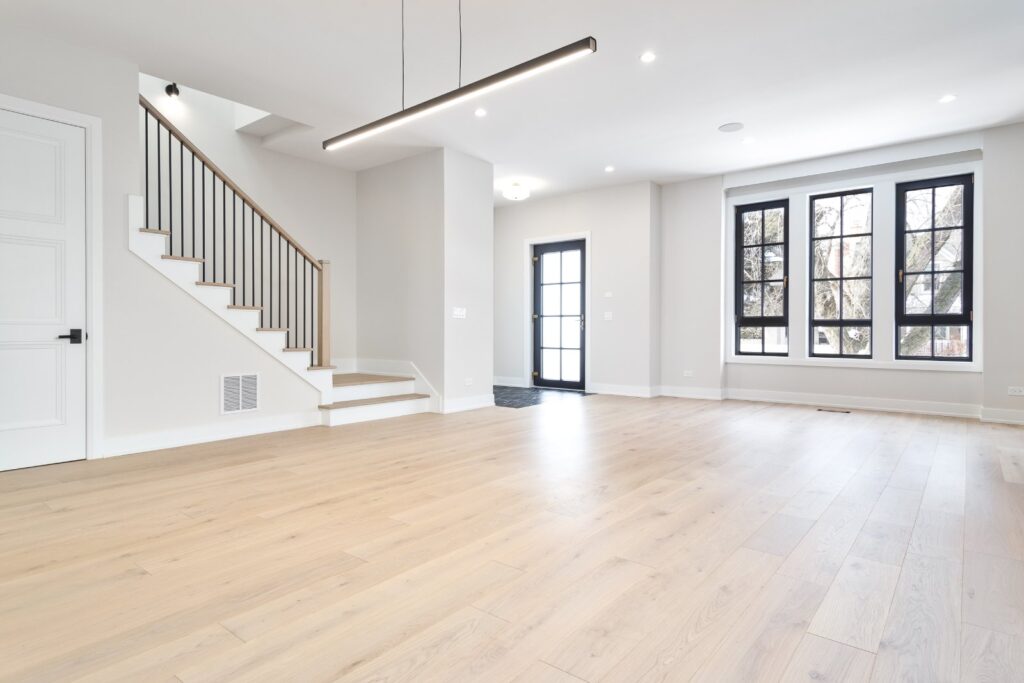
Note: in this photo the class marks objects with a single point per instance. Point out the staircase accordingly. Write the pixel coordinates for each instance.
(201, 231)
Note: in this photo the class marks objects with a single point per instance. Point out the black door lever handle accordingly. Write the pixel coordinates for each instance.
(75, 336)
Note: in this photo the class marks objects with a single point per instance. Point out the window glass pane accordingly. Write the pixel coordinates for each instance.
(549, 332)
(550, 366)
(918, 291)
(550, 270)
(949, 293)
(571, 333)
(776, 340)
(752, 227)
(919, 209)
(752, 300)
(826, 300)
(571, 266)
(826, 216)
(949, 206)
(774, 262)
(773, 299)
(571, 366)
(825, 341)
(916, 341)
(857, 256)
(826, 258)
(773, 226)
(752, 263)
(952, 341)
(856, 341)
(949, 249)
(570, 299)
(750, 339)
(919, 252)
(857, 213)
(550, 296)
(857, 299)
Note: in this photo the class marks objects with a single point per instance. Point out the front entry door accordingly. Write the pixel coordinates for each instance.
(559, 308)
(42, 291)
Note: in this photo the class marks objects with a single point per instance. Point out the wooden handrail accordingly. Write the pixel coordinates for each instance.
(227, 181)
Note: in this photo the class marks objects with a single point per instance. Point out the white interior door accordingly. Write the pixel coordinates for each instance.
(42, 291)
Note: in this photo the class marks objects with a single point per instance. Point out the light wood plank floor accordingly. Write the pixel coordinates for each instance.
(605, 539)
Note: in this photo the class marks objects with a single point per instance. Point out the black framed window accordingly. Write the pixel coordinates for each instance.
(762, 279)
(841, 246)
(935, 269)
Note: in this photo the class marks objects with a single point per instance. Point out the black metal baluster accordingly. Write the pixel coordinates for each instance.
(287, 290)
(234, 246)
(279, 302)
(213, 240)
(204, 218)
(243, 254)
(181, 194)
(193, 201)
(224, 232)
(159, 182)
(146, 223)
(170, 190)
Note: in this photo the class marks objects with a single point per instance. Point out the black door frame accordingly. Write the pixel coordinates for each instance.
(537, 251)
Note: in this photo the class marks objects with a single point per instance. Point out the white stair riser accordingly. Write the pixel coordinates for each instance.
(355, 392)
(375, 411)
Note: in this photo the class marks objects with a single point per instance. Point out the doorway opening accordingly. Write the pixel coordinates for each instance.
(559, 315)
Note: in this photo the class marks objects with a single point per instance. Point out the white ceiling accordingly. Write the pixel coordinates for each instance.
(807, 77)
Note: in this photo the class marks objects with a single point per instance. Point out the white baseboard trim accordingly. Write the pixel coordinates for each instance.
(457, 405)
(344, 365)
(706, 393)
(637, 391)
(1002, 415)
(857, 402)
(511, 382)
(383, 366)
(187, 436)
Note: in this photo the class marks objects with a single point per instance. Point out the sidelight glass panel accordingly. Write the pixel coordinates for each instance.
(550, 270)
(570, 333)
(571, 266)
(949, 206)
(551, 299)
(570, 366)
(571, 300)
(550, 364)
(549, 332)
(919, 210)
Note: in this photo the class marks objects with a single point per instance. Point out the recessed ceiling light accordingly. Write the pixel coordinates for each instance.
(648, 57)
(733, 127)
(946, 99)
(480, 112)
(609, 169)
(516, 192)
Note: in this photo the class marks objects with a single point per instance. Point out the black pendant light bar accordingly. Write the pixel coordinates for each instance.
(552, 59)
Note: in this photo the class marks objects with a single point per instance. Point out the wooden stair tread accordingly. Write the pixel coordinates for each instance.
(322, 367)
(373, 401)
(154, 231)
(192, 259)
(215, 284)
(245, 308)
(271, 329)
(356, 378)
(298, 348)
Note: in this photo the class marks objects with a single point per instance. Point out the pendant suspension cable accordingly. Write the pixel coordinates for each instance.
(403, 55)
(460, 43)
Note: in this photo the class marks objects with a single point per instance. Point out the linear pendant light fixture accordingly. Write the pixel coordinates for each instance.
(536, 65)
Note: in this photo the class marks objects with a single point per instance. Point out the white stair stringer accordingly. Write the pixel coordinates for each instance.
(152, 247)
(341, 414)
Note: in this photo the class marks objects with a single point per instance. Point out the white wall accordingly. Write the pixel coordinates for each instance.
(315, 203)
(621, 223)
(468, 281)
(400, 278)
(163, 353)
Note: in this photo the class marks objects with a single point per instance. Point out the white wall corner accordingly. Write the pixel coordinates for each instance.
(704, 393)
(1003, 416)
(458, 405)
(892, 405)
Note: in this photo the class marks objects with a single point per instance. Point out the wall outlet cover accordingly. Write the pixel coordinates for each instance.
(607, 315)
(1015, 391)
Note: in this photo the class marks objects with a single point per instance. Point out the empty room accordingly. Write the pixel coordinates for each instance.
(478, 340)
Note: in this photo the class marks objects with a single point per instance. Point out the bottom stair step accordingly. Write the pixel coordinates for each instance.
(372, 401)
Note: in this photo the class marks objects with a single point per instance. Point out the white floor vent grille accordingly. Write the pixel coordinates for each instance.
(239, 393)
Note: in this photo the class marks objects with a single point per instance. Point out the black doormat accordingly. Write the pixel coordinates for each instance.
(521, 397)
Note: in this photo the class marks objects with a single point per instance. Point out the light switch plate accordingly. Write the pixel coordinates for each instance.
(459, 312)
(607, 315)
(1015, 391)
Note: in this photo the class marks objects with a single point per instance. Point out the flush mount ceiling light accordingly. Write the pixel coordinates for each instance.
(172, 90)
(480, 112)
(946, 99)
(516, 192)
(648, 57)
(733, 127)
(609, 169)
(562, 55)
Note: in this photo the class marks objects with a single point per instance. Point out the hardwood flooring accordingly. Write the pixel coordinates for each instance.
(606, 539)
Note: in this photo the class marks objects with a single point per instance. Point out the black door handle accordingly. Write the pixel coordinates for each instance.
(75, 336)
